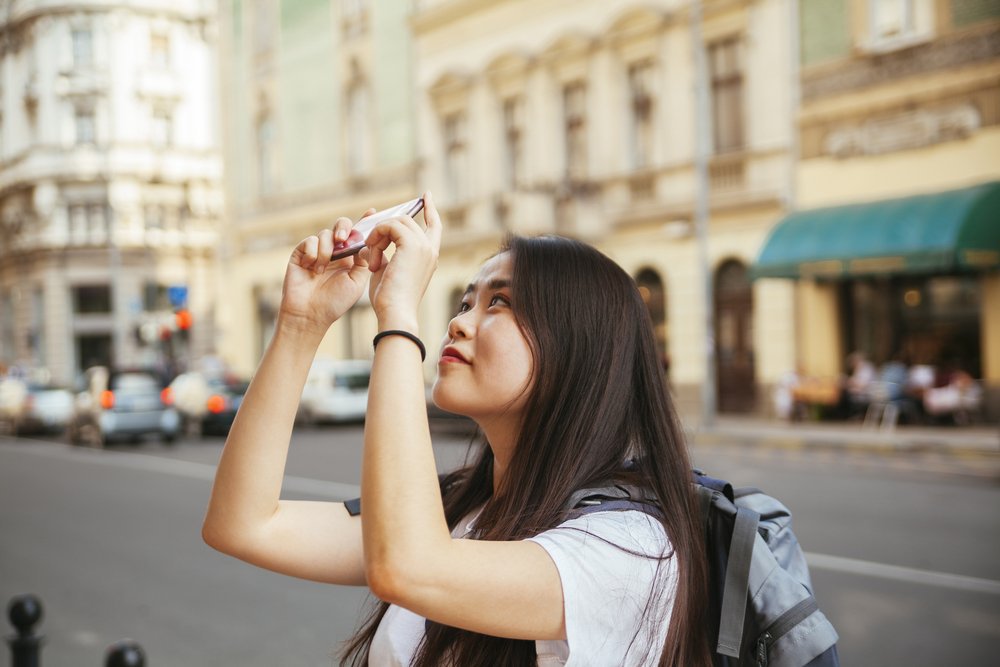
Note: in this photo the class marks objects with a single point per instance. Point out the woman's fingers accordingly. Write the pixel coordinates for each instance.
(324, 251)
(341, 229)
(308, 252)
(433, 221)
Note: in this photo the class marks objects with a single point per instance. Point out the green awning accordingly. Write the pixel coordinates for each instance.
(945, 232)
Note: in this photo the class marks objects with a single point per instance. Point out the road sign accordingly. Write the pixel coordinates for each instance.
(178, 295)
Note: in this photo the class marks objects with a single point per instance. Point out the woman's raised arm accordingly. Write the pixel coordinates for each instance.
(246, 517)
(506, 589)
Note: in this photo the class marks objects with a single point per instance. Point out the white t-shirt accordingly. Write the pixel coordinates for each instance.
(613, 615)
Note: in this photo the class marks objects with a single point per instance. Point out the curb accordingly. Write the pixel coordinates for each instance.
(977, 459)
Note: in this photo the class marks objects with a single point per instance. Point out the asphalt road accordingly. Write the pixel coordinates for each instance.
(903, 560)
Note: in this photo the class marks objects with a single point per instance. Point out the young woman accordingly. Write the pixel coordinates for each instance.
(552, 354)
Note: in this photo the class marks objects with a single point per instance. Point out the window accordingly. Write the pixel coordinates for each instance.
(155, 217)
(83, 47)
(7, 319)
(513, 122)
(358, 133)
(161, 128)
(575, 129)
(640, 85)
(159, 50)
(454, 154)
(929, 320)
(266, 171)
(354, 17)
(91, 299)
(264, 26)
(155, 297)
(99, 220)
(93, 350)
(654, 295)
(354, 8)
(38, 326)
(896, 21)
(726, 75)
(85, 126)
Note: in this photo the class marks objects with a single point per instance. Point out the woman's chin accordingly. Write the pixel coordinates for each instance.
(441, 400)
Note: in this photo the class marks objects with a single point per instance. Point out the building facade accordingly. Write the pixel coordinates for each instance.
(109, 183)
(581, 118)
(318, 117)
(899, 136)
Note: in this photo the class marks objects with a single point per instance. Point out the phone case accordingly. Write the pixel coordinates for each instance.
(366, 225)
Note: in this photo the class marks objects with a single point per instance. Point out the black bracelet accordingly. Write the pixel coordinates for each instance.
(405, 334)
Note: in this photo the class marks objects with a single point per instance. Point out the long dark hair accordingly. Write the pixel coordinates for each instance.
(598, 400)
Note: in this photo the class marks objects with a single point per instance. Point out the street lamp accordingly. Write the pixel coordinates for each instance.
(702, 117)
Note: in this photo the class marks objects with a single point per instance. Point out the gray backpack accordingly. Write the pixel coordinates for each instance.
(761, 600)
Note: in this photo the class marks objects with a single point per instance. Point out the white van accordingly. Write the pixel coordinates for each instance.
(336, 391)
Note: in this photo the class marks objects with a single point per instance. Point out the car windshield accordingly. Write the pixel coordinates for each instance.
(352, 380)
(137, 382)
(232, 386)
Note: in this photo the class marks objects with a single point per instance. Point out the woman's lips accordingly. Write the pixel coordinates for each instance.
(450, 355)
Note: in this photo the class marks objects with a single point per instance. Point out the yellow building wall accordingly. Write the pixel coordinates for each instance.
(821, 350)
(991, 328)
(828, 181)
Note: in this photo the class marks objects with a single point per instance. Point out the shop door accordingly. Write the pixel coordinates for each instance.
(734, 360)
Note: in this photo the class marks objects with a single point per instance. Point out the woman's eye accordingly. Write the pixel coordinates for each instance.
(464, 306)
(499, 298)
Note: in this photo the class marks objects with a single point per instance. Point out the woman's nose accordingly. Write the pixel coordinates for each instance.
(460, 326)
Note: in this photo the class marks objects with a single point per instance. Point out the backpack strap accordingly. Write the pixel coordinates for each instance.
(737, 585)
(617, 506)
(618, 498)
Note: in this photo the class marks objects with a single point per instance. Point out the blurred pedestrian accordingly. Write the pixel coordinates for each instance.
(552, 354)
(858, 386)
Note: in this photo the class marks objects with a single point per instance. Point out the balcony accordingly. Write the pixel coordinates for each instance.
(727, 172)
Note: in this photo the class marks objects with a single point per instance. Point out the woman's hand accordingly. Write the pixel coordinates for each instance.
(398, 284)
(317, 291)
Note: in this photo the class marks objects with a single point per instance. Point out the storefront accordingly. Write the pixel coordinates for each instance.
(913, 279)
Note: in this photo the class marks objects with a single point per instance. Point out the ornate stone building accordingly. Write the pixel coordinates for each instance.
(109, 182)
(318, 123)
(580, 118)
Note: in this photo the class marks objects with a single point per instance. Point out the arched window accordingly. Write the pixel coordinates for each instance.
(655, 297)
(359, 151)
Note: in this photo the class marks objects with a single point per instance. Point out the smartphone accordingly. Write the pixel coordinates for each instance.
(356, 241)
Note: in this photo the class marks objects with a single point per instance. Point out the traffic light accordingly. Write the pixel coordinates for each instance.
(183, 319)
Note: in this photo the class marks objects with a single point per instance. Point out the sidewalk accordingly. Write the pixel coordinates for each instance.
(981, 439)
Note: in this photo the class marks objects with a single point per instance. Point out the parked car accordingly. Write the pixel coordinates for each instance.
(123, 405)
(336, 391)
(28, 407)
(207, 403)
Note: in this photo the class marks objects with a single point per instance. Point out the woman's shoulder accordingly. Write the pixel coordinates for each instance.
(631, 531)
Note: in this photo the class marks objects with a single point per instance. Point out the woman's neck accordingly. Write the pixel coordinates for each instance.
(501, 437)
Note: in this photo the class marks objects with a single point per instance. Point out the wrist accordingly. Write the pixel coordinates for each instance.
(299, 329)
(399, 322)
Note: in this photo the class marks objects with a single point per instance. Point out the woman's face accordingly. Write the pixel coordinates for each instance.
(485, 369)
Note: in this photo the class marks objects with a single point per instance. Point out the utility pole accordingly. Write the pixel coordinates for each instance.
(702, 120)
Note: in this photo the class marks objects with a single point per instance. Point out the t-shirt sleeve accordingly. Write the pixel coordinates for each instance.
(618, 580)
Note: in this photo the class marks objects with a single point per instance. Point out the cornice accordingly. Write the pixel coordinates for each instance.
(20, 13)
(448, 11)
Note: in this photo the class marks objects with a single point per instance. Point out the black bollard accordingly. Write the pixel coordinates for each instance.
(24, 612)
(125, 653)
